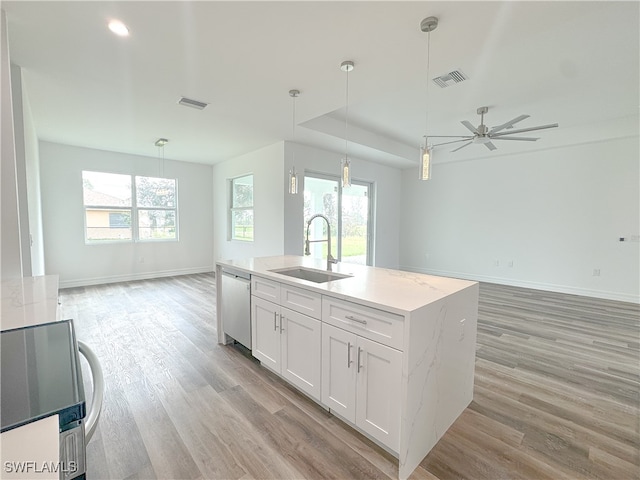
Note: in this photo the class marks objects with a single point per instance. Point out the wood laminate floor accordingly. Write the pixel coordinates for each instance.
(557, 394)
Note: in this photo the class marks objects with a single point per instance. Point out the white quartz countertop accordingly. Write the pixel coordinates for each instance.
(392, 290)
(29, 301)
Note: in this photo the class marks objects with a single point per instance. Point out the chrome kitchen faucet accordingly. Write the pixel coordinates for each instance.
(330, 259)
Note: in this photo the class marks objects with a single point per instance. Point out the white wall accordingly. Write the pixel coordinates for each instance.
(78, 264)
(32, 164)
(266, 165)
(28, 178)
(557, 214)
(387, 187)
(11, 255)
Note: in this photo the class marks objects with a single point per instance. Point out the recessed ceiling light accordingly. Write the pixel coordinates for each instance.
(119, 28)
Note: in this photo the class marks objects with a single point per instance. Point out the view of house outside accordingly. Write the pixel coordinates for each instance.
(109, 208)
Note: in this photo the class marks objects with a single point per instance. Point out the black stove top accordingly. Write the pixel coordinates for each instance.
(40, 375)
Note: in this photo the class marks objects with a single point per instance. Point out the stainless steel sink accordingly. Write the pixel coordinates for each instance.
(317, 276)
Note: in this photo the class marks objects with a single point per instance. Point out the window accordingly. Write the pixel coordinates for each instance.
(156, 208)
(349, 211)
(126, 208)
(241, 211)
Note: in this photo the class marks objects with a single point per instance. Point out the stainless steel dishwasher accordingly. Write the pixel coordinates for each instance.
(236, 305)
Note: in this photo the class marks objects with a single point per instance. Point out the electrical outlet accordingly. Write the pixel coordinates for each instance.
(510, 263)
(141, 259)
(596, 272)
(496, 263)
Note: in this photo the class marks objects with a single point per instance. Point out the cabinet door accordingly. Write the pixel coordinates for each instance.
(339, 371)
(265, 332)
(301, 351)
(378, 392)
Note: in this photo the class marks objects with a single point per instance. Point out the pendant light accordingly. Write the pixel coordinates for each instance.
(427, 25)
(160, 143)
(293, 176)
(345, 165)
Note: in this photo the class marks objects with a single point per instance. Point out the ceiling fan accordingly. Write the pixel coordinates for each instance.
(484, 136)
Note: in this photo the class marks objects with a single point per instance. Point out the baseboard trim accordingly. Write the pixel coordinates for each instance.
(85, 282)
(585, 292)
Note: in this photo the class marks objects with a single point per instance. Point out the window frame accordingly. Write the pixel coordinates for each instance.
(234, 209)
(132, 209)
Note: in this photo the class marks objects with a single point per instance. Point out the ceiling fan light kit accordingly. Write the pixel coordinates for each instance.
(293, 176)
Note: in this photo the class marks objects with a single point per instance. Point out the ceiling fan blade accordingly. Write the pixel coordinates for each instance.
(465, 145)
(447, 136)
(509, 124)
(468, 124)
(490, 146)
(522, 130)
(466, 139)
(525, 139)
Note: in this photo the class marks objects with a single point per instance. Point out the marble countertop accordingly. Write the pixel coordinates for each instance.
(29, 301)
(392, 290)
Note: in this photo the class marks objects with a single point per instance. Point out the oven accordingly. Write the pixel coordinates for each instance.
(41, 378)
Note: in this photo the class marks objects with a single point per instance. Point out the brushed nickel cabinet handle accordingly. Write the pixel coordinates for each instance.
(349, 362)
(351, 317)
(281, 321)
(359, 366)
(275, 321)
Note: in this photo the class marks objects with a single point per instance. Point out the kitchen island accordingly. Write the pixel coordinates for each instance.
(392, 353)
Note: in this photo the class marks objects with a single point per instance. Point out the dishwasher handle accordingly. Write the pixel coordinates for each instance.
(236, 274)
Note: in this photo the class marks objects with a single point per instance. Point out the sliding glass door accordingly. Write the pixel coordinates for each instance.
(349, 214)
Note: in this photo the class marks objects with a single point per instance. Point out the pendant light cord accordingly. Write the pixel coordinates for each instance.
(346, 121)
(426, 115)
(293, 125)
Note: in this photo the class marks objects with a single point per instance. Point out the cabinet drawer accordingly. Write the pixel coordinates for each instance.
(378, 325)
(301, 300)
(264, 288)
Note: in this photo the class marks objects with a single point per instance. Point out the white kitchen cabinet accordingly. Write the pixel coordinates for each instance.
(339, 371)
(378, 391)
(361, 382)
(265, 332)
(288, 343)
(300, 348)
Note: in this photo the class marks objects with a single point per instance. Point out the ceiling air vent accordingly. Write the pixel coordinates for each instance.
(187, 102)
(451, 78)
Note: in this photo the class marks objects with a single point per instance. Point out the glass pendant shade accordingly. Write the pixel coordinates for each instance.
(346, 172)
(293, 181)
(292, 184)
(425, 163)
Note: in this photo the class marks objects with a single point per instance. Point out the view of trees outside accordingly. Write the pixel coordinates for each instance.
(159, 221)
(108, 207)
(242, 208)
(321, 196)
(355, 221)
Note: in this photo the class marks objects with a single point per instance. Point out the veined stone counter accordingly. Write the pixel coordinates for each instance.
(392, 290)
(29, 301)
(425, 359)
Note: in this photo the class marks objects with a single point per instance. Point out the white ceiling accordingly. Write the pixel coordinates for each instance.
(575, 63)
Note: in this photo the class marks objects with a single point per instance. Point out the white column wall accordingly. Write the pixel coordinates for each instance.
(266, 165)
(11, 257)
